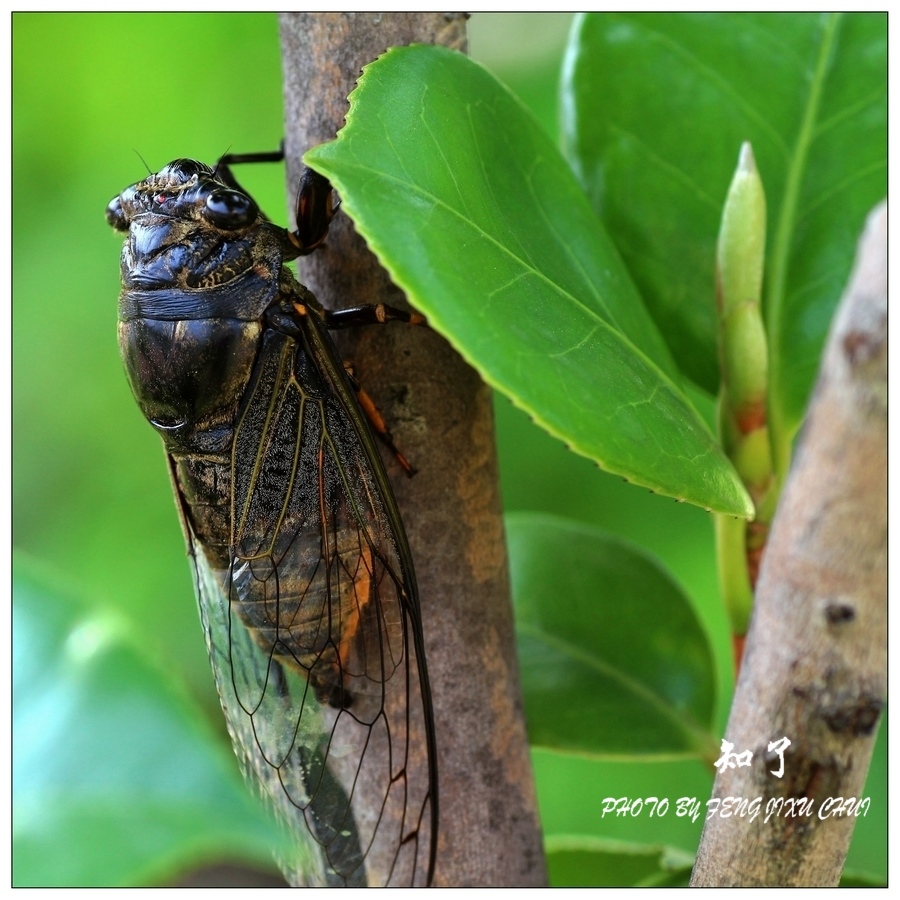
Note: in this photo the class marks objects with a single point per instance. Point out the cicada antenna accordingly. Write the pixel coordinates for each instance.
(219, 161)
(144, 161)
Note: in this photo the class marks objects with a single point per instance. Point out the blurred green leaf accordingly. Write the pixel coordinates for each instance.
(853, 878)
(471, 209)
(498, 41)
(655, 108)
(614, 660)
(584, 861)
(91, 492)
(117, 780)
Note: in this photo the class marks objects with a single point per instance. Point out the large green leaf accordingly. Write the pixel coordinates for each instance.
(116, 780)
(614, 662)
(655, 109)
(474, 213)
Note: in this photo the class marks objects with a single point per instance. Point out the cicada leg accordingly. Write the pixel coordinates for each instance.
(223, 166)
(315, 199)
(374, 314)
(371, 314)
(376, 420)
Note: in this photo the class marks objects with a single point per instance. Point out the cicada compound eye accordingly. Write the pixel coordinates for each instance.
(230, 209)
(115, 215)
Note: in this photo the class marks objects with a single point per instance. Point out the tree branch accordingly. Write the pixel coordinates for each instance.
(816, 658)
(441, 417)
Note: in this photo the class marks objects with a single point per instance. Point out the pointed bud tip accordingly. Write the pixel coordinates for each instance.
(746, 161)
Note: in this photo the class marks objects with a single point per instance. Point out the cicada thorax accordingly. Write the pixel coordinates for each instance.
(189, 377)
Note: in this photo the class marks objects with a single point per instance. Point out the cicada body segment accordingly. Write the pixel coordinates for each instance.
(304, 578)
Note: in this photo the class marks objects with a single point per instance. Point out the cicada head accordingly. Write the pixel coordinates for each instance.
(186, 227)
(184, 189)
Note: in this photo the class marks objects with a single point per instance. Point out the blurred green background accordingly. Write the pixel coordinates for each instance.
(92, 505)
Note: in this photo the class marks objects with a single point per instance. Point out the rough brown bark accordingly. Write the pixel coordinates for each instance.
(441, 417)
(816, 658)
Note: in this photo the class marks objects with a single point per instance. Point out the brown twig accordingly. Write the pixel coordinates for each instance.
(815, 664)
(440, 414)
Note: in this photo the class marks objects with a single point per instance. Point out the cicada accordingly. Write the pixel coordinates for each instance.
(303, 573)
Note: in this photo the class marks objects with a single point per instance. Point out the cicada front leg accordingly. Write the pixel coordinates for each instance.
(315, 207)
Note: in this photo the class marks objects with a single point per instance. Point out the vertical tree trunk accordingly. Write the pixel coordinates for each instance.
(441, 417)
(815, 668)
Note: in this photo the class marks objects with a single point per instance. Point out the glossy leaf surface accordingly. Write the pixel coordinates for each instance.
(655, 108)
(474, 213)
(614, 661)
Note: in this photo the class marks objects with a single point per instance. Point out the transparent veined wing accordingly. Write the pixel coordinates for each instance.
(313, 628)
